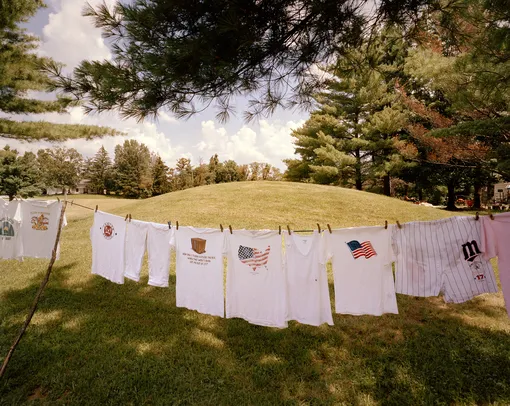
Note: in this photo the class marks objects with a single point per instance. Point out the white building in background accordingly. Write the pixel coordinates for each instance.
(502, 192)
(81, 188)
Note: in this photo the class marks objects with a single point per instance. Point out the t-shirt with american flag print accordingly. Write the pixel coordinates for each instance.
(255, 277)
(362, 259)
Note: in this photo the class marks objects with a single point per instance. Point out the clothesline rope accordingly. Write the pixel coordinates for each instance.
(399, 225)
(81, 205)
(91, 208)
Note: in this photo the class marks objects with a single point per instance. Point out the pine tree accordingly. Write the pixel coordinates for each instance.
(352, 137)
(132, 169)
(213, 168)
(100, 171)
(21, 72)
(19, 175)
(184, 173)
(160, 184)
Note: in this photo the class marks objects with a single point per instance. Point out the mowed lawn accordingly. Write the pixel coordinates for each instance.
(98, 343)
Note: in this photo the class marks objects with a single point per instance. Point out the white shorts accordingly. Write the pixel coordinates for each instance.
(156, 237)
(136, 236)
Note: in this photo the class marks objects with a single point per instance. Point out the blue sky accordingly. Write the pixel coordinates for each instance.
(68, 37)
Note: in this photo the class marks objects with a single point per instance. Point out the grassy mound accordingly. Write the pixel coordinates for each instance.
(94, 342)
(268, 205)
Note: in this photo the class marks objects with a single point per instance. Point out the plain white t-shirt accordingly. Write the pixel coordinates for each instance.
(107, 235)
(199, 269)
(39, 226)
(158, 251)
(306, 277)
(10, 225)
(362, 259)
(255, 278)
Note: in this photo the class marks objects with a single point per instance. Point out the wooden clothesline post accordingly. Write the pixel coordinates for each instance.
(38, 294)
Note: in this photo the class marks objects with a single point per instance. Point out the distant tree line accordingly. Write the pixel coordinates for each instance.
(134, 172)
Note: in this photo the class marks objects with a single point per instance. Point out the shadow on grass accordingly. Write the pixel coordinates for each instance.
(101, 343)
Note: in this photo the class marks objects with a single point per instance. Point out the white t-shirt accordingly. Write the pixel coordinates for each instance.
(136, 241)
(10, 225)
(255, 278)
(362, 260)
(39, 226)
(199, 269)
(307, 280)
(158, 251)
(107, 234)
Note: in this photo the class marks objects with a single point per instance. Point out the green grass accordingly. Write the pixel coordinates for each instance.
(96, 343)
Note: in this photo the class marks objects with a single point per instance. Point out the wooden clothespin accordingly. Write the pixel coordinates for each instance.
(477, 216)
(221, 227)
(329, 228)
(398, 224)
(97, 207)
(288, 229)
(386, 224)
(130, 218)
(127, 216)
(319, 227)
(230, 228)
(169, 225)
(177, 224)
(280, 230)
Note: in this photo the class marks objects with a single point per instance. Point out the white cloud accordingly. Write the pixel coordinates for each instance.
(69, 37)
(277, 140)
(166, 117)
(271, 144)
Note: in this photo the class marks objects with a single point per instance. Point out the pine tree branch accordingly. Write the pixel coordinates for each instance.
(40, 130)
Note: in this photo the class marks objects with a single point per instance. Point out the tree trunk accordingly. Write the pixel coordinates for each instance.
(490, 192)
(477, 203)
(387, 185)
(450, 205)
(420, 194)
(359, 183)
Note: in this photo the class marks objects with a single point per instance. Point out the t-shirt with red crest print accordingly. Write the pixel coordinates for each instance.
(107, 235)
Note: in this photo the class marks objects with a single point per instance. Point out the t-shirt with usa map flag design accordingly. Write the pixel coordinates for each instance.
(255, 278)
(362, 259)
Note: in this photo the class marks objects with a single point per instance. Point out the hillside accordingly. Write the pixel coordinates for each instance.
(268, 205)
